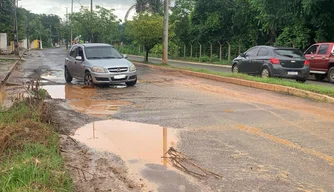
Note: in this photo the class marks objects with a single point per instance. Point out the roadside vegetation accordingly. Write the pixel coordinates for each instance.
(326, 90)
(29, 150)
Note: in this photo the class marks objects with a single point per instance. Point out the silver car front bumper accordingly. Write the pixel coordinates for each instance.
(103, 78)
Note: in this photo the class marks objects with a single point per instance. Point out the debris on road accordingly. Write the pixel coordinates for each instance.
(184, 163)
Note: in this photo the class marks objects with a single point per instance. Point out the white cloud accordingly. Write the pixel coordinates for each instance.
(58, 7)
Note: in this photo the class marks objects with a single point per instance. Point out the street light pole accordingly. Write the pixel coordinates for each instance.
(91, 11)
(165, 43)
(16, 38)
(71, 22)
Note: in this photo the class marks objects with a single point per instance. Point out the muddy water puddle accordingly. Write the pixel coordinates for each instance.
(138, 144)
(81, 100)
(132, 141)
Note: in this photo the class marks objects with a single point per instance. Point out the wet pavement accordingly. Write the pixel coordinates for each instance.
(213, 67)
(257, 140)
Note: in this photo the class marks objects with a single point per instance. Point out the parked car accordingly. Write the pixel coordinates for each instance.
(268, 61)
(99, 64)
(321, 58)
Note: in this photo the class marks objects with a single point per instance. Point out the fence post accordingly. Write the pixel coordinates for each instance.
(200, 50)
(220, 52)
(229, 52)
(139, 50)
(210, 52)
(191, 50)
(184, 50)
(239, 50)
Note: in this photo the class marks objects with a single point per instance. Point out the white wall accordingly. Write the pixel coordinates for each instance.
(3, 42)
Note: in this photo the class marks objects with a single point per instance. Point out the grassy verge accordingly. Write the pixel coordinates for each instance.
(29, 150)
(204, 59)
(326, 90)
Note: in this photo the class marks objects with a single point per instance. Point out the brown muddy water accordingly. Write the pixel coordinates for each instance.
(138, 144)
(82, 100)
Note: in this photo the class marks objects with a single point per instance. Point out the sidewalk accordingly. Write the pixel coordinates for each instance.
(7, 65)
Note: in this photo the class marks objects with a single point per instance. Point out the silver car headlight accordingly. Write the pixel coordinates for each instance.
(99, 70)
(132, 68)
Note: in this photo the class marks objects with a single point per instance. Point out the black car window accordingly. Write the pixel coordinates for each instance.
(323, 49)
(263, 52)
(252, 52)
(312, 50)
(80, 53)
(73, 52)
(291, 53)
(103, 52)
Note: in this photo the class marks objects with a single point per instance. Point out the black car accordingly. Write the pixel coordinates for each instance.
(268, 61)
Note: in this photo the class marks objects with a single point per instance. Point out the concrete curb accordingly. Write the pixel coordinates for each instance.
(253, 84)
(3, 82)
(186, 62)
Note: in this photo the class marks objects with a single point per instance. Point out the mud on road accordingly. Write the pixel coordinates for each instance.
(113, 138)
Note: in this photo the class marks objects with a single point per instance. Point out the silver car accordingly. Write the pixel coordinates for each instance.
(97, 63)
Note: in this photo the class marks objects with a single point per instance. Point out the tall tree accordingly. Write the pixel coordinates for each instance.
(153, 6)
(147, 30)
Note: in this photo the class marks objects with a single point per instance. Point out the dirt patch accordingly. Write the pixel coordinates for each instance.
(96, 171)
(16, 135)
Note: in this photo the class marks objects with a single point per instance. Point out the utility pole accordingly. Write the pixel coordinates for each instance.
(66, 14)
(16, 38)
(28, 41)
(66, 43)
(165, 43)
(71, 22)
(91, 11)
(51, 36)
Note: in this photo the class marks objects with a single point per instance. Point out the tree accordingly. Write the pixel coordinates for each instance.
(102, 25)
(152, 6)
(147, 30)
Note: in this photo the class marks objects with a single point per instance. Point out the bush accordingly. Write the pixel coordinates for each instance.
(204, 59)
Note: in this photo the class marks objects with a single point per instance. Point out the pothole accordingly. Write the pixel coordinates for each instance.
(134, 142)
(140, 145)
(81, 100)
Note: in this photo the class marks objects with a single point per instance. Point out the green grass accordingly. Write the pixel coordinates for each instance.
(30, 158)
(326, 90)
(36, 167)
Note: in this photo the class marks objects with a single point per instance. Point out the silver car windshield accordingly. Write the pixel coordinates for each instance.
(102, 53)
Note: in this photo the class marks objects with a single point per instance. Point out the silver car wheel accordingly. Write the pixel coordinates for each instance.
(88, 80)
(265, 73)
(235, 69)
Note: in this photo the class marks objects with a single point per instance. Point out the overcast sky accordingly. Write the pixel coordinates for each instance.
(58, 7)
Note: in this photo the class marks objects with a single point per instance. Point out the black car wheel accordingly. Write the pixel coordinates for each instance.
(131, 83)
(301, 80)
(265, 73)
(235, 68)
(88, 79)
(319, 77)
(68, 76)
(330, 75)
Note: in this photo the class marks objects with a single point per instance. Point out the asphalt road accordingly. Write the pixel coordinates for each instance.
(257, 140)
(213, 67)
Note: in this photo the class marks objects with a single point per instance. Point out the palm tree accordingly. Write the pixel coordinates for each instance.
(153, 6)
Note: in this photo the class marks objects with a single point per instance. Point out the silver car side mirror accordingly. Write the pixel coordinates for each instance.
(125, 56)
(79, 58)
